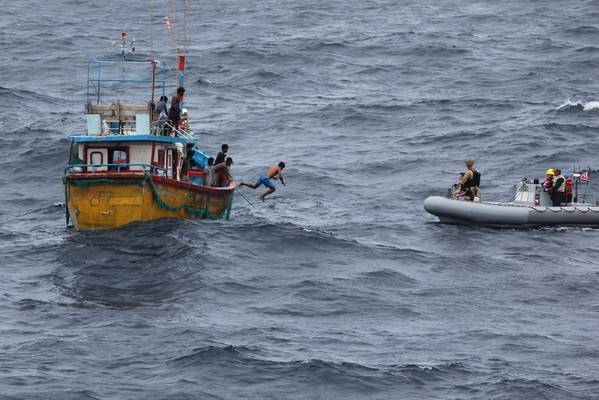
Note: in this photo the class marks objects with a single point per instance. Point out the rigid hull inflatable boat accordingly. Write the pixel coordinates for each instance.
(531, 206)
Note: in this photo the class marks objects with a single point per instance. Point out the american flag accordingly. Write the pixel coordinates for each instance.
(585, 176)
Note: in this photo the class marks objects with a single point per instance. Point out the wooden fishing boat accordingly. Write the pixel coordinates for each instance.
(130, 166)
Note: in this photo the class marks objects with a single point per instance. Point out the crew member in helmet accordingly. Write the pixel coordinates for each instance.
(470, 182)
(558, 189)
(548, 183)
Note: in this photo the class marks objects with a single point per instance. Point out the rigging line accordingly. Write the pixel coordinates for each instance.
(245, 198)
(185, 15)
(173, 31)
(151, 17)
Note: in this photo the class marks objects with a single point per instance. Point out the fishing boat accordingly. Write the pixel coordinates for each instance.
(530, 206)
(131, 164)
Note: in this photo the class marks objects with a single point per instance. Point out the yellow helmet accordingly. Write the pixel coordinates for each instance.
(550, 171)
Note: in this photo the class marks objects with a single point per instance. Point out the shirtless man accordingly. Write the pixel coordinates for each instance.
(221, 172)
(274, 172)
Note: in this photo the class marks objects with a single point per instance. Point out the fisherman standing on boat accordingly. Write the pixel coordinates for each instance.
(558, 189)
(221, 172)
(174, 113)
(162, 106)
(209, 173)
(470, 182)
(274, 172)
(161, 114)
(222, 154)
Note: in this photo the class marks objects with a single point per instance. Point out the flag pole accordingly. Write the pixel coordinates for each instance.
(576, 179)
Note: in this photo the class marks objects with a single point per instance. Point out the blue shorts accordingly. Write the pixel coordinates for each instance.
(265, 180)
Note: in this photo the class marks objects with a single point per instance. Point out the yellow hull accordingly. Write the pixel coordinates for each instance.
(111, 201)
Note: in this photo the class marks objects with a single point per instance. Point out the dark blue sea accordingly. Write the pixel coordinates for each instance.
(339, 286)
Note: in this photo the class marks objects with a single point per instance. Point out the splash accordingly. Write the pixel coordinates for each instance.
(579, 105)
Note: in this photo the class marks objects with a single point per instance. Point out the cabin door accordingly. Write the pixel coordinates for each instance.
(169, 163)
(161, 161)
(175, 164)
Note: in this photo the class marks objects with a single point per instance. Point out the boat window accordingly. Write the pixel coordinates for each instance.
(96, 157)
(118, 156)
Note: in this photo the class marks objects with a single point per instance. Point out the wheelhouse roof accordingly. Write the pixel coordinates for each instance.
(130, 138)
(129, 57)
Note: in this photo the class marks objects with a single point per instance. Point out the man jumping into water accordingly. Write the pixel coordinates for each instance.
(274, 172)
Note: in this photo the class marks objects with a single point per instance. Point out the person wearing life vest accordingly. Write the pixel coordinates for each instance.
(569, 189)
(558, 190)
(470, 182)
(548, 183)
(274, 172)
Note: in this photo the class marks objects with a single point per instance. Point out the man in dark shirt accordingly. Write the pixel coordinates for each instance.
(174, 113)
(222, 154)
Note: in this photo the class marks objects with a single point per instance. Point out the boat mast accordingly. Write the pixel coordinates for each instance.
(182, 56)
(153, 89)
(151, 17)
(180, 52)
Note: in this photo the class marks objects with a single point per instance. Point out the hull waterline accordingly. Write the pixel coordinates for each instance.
(110, 201)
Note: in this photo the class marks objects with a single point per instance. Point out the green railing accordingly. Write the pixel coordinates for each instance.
(117, 167)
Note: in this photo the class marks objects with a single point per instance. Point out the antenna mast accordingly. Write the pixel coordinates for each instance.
(180, 53)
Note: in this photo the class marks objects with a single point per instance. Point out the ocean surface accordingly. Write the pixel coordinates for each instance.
(339, 286)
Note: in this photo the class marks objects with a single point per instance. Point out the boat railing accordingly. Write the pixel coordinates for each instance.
(118, 167)
(180, 132)
(164, 128)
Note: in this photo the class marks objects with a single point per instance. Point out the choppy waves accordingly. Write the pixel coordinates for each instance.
(339, 286)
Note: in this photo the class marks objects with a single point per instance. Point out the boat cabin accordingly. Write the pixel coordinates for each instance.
(130, 137)
(119, 118)
(161, 155)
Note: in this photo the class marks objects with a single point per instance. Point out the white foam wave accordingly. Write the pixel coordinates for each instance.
(585, 106)
(591, 105)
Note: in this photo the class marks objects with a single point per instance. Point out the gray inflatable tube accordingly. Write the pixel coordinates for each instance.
(506, 214)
